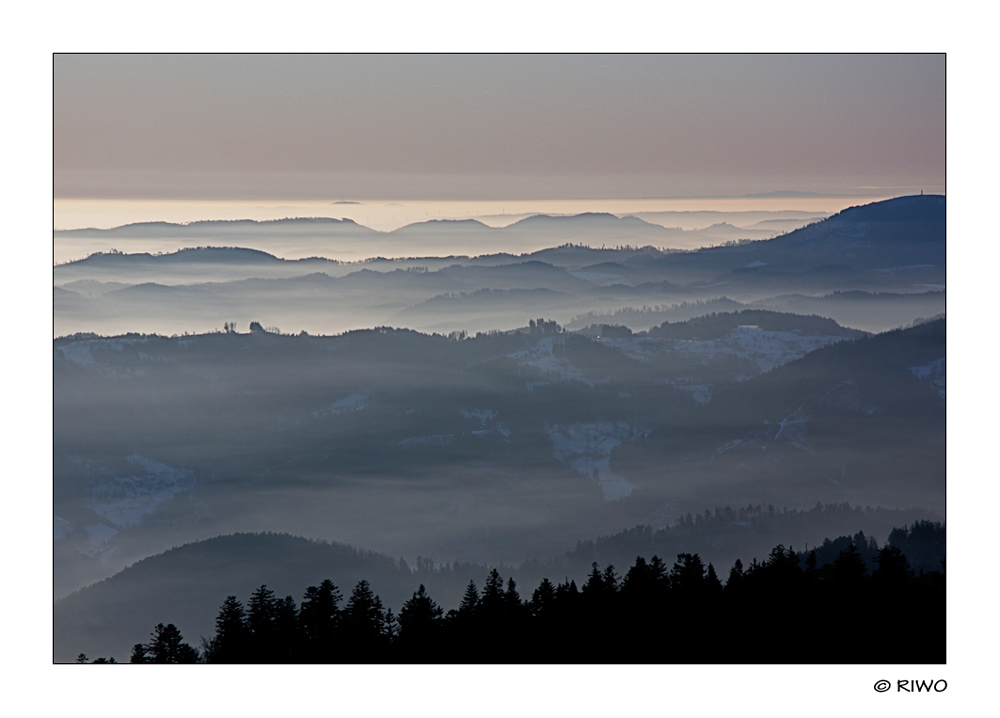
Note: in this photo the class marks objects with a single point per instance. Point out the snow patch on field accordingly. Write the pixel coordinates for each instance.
(97, 536)
(731, 445)
(435, 440)
(541, 357)
(78, 353)
(485, 417)
(62, 528)
(498, 429)
(82, 353)
(638, 348)
(701, 393)
(792, 429)
(587, 449)
(351, 402)
(900, 269)
(124, 501)
(933, 373)
(765, 348)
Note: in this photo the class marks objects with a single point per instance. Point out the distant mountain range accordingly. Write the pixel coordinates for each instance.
(346, 239)
(222, 227)
(889, 248)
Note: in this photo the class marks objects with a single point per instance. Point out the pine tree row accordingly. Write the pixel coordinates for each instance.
(782, 610)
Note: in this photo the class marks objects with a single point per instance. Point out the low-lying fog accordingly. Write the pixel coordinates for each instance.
(474, 277)
(639, 384)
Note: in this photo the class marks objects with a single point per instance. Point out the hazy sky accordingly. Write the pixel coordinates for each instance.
(495, 126)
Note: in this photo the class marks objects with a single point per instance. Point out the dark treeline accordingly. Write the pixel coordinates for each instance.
(788, 608)
(722, 535)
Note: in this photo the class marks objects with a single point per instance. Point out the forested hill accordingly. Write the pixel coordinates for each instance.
(812, 613)
(893, 234)
(717, 325)
(183, 586)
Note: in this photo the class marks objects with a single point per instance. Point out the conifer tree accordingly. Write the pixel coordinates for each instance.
(511, 599)
(735, 577)
(712, 582)
(595, 582)
(318, 620)
(543, 598)
(262, 613)
(810, 570)
(610, 580)
(567, 591)
(419, 617)
(365, 622)
(637, 579)
(849, 568)
(165, 646)
(491, 598)
(138, 654)
(659, 575)
(688, 574)
(893, 570)
(470, 601)
(230, 642)
(286, 624)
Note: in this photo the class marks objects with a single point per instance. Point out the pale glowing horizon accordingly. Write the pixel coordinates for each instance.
(389, 214)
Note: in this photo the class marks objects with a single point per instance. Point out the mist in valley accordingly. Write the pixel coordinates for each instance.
(497, 409)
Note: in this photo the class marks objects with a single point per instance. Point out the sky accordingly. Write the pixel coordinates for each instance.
(495, 127)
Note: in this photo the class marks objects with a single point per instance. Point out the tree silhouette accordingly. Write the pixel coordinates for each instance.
(512, 600)
(420, 618)
(491, 598)
(816, 615)
(230, 643)
(594, 585)
(712, 582)
(262, 615)
(286, 628)
(893, 572)
(165, 646)
(688, 575)
(735, 579)
(366, 626)
(470, 602)
(849, 568)
(319, 617)
(543, 598)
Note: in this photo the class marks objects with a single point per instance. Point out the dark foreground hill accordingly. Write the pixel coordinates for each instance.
(613, 617)
(186, 585)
